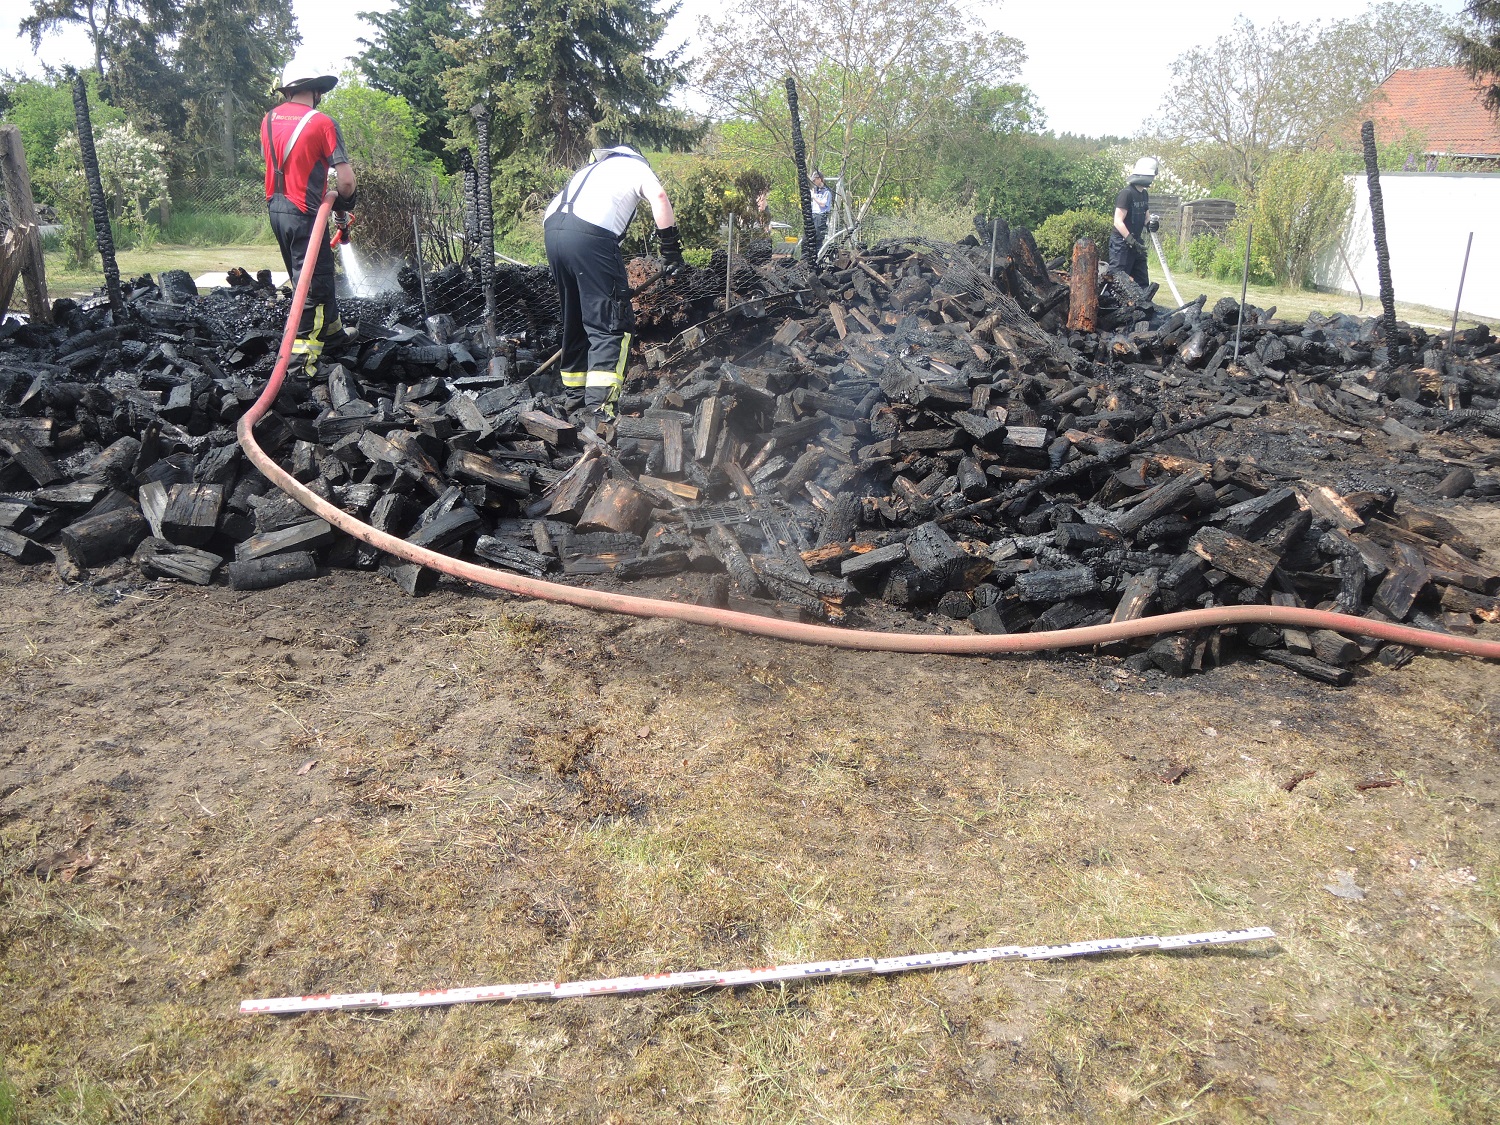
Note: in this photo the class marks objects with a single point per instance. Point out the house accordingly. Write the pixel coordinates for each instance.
(1442, 104)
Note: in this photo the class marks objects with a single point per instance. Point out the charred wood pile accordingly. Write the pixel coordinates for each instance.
(912, 433)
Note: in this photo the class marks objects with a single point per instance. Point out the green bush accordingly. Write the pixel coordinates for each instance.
(1172, 249)
(214, 228)
(698, 256)
(524, 240)
(1055, 237)
(1201, 252)
(1229, 258)
(1300, 207)
(921, 218)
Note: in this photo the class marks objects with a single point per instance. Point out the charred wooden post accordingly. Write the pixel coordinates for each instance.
(1083, 287)
(1382, 247)
(484, 203)
(24, 228)
(804, 183)
(102, 235)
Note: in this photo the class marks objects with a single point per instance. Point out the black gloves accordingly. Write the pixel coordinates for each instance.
(1153, 223)
(1135, 244)
(671, 249)
(346, 203)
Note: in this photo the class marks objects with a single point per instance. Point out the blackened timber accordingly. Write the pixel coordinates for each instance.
(1164, 498)
(726, 548)
(36, 463)
(445, 529)
(158, 558)
(1309, 666)
(272, 570)
(1138, 596)
(486, 470)
(1249, 563)
(104, 537)
(298, 537)
(874, 561)
(191, 516)
(1056, 585)
(17, 546)
(1404, 582)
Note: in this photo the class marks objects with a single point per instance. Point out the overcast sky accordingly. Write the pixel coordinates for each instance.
(1097, 69)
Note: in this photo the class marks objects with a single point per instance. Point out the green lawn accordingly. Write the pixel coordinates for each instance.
(65, 280)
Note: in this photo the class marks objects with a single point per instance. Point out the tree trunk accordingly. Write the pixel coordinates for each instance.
(227, 140)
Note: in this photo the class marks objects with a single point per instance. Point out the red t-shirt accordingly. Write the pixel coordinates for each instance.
(319, 147)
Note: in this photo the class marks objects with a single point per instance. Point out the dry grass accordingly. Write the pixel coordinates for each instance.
(517, 793)
(1298, 304)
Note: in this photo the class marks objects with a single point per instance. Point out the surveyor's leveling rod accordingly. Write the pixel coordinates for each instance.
(734, 978)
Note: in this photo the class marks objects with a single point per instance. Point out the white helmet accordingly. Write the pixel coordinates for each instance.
(1144, 171)
(298, 74)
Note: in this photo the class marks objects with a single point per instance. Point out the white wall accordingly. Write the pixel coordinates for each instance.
(1428, 217)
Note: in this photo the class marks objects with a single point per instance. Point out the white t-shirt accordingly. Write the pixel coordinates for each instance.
(822, 199)
(606, 191)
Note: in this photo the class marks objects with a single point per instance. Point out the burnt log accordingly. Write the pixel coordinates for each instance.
(102, 538)
(267, 572)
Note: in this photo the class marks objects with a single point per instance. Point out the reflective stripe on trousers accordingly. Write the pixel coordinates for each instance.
(602, 388)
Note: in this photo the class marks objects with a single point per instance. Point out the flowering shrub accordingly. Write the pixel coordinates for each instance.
(133, 173)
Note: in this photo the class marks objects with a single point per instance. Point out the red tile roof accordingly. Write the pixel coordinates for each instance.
(1443, 104)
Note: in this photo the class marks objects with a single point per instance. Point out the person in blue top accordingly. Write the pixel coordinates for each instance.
(822, 204)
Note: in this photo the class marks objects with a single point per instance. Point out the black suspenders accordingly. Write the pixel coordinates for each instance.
(566, 206)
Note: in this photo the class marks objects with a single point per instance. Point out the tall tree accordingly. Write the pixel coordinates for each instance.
(230, 52)
(404, 58)
(109, 23)
(50, 16)
(556, 72)
(1479, 48)
(873, 76)
(144, 78)
(1257, 91)
(555, 75)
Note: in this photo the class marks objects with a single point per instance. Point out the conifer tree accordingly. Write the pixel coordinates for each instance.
(1479, 48)
(405, 58)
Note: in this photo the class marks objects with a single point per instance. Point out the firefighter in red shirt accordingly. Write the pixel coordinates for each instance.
(301, 146)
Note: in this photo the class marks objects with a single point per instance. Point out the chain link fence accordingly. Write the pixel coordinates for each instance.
(415, 249)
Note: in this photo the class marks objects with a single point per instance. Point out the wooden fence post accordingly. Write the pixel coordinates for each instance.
(28, 235)
(1083, 281)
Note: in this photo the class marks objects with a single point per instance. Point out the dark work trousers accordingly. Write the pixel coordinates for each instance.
(320, 315)
(1122, 257)
(596, 315)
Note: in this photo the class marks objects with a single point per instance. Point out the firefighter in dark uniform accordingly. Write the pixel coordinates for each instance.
(301, 146)
(1127, 252)
(582, 228)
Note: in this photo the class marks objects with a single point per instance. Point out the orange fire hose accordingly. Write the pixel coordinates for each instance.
(975, 645)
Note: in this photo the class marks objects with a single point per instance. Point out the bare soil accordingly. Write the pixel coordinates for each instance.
(207, 796)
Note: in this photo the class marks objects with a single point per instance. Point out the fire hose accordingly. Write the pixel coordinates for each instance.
(636, 606)
(1162, 258)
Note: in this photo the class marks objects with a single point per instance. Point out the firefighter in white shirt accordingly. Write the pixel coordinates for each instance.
(583, 227)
